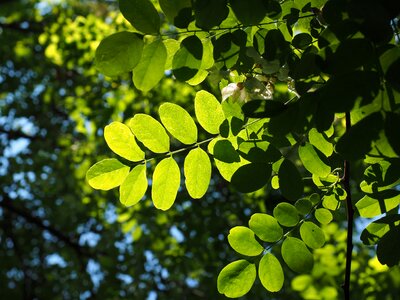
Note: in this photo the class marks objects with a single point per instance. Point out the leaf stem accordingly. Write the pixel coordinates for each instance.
(350, 221)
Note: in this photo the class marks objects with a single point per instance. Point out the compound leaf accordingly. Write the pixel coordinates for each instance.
(296, 255)
(107, 174)
(243, 241)
(312, 235)
(266, 227)
(286, 214)
(208, 111)
(134, 186)
(271, 273)
(141, 14)
(197, 169)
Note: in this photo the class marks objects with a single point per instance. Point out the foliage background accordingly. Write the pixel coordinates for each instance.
(59, 239)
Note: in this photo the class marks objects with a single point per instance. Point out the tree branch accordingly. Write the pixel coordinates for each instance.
(350, 221)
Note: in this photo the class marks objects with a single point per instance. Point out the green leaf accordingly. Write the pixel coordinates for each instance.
(134, 186)
(187, 60)
(243, 241)
(271, 273)
(121, 141)
(150, 132)
(107, 174)
(373, 205)
(286, 214)
(178, 12)
(313, 160)
(377, 229)
(296, 255)
(303, 206)
(266, 227)
(312, 235)
(248, 16)
(290, 181)
(357, 142)
(178, 122)
(197, 169)
(263, 108)
(207, 18)
(330, 201)
(251, 177)
(141, 14)
(224, 151)
(118, 53)
(237, 278)
(302, 40)
(259, 151)
(388, 250)
(208, 111)
(172, 47)
(166, 182)
(228, 169)
(323, 216)
(150, 69)
(318, 140)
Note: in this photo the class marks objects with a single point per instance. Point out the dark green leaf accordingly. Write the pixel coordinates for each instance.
(262, 108)
(210, 13)
(377, 229)
(302, 40)
(290, 181)
(141, 14)
(259, 151)
(187, 60)
(251, 177)
(388, 250)
(249, 12)
(266, 227)
(303, 206)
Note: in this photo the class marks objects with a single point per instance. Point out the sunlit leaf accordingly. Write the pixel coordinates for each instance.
(312, 235)
(237, 278)
(271, 273)
(377, 229)
(296, 255)
(197, 169)
(134, 186)
(286, 214)
(323, 216)
(187, 60)
(179, 12)
(118, 53)
(243, 241)
(150, 69)
(121, 141)
(266, 227)
(314, 161)
(208, 111)
(150, 132)
(373, 205)
(107, 174)
(318, 140)
(303, 206)
(141, 14)
(166, 182)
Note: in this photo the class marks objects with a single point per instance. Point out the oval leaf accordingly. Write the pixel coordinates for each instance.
(271, 273)
(150, 69)
(251, 177)
(296, 255)
(150, 132)
(323, 216)
(187, 60)
(208, 111)
(166, 182)
(266, 227)
(197, 169)
(141, 14)
(121, 141)
(134, 186)
(118, 53)
(290, 181)
(107, 174)
(313, 160)
(286, 214)
(243, 241)
(178, 122)
(237, 278)
(312, 235)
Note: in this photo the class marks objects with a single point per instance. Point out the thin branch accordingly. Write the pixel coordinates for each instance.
(350, 221)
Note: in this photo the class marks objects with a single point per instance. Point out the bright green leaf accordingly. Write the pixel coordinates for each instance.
(141, 14)
(228, 169)
(243, 241)
(166, 182)
(296, 255)
(266, 227)
(178, 122)
(208, 111)
(134, 186)
(318, 140)
(187, 60)
(237, 278)
(150, 132)
(118, 53)
(271, 273)
(313, 161)
(323, 216)
(121, 141)
(373, 205)
(286, 214)
(107, 174)
(312, 235)
(197, 169)
(377, 229)
(150, 69)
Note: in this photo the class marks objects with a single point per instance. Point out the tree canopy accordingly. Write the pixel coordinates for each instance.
(200, 149)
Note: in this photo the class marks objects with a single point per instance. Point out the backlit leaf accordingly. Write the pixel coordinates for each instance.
(141, 14)
(150, 69)
(208, 111)
(121, 141)
(197, 169)
(187, 60)
(134, 186)
(243, 241)
(296, 255)
(228, 169)
(271, 273)
(373, 205)
(178, 122)
(323, 216)
(150, 132)
(312, 235)
(319, 141)
(166, 182)
(118, 53)
(107, 174)
(303, 206)
(286, 214)
(237, 278)
(313, 161)
(377, 229)
(266, 227)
